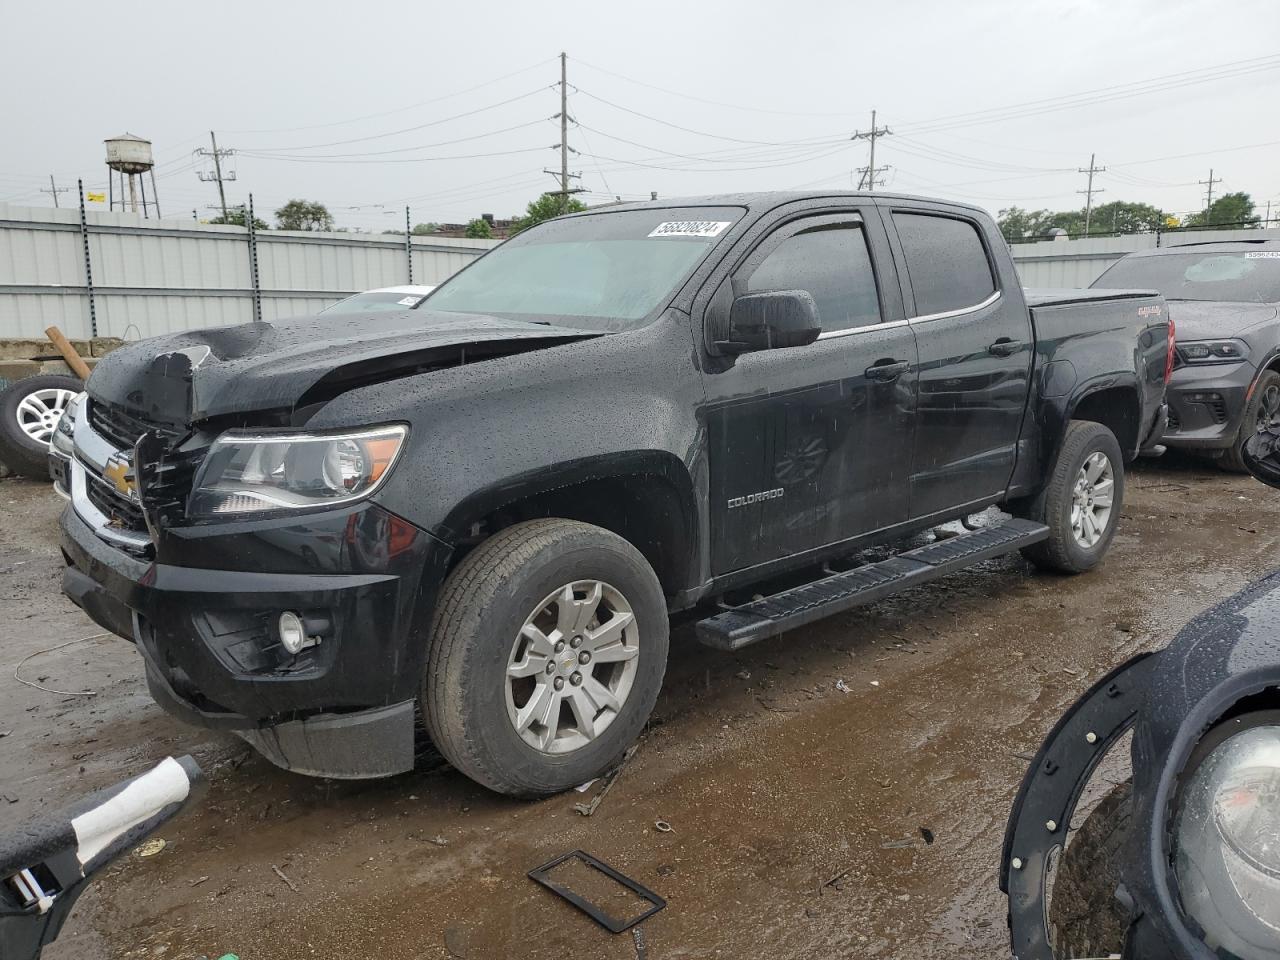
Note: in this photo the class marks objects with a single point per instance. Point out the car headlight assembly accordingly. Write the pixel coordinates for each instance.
(1213, 351)
(247, 472)
(1227, 839)
(64, 433)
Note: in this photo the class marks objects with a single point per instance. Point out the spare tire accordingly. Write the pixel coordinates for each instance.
(29, 413)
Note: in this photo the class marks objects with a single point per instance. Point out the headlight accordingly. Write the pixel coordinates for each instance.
(1227, 841)
(246, 472)
(64, 433)
(1213, 351)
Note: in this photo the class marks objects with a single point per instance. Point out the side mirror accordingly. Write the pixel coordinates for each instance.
(769, 320)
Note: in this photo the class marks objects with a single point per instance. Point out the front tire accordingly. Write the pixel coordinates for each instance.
(1081, 502)
(547, 652)
(1262, 411)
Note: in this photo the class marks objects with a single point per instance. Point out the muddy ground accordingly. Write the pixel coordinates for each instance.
(773, 780)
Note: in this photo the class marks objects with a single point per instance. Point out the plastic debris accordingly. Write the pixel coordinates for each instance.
(151, 847)
(662, 826)
(842, 686)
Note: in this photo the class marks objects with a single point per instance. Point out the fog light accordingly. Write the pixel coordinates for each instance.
(293, 633)
(1202, 397)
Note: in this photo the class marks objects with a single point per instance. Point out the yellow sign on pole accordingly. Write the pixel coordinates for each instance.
(95, 197)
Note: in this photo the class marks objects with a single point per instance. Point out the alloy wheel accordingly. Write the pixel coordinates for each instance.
(572, 666)
(1092, 499)
(38, 412)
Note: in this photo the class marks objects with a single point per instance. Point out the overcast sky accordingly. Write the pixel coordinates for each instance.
(360, 104)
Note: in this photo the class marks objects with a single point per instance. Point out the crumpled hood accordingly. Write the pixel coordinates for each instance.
(187, 377)
(1215, 319)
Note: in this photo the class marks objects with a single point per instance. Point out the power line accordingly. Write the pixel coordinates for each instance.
(216, 173)
(1090, 190)
(870, 172)
(396, 133)
(1208, 200)
(54, 190)
(412, 106)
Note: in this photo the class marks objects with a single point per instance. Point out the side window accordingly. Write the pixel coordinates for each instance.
(833, 264)
(946, 260)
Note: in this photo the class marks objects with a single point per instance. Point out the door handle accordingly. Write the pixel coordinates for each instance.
(1005, 347)
(886, 371)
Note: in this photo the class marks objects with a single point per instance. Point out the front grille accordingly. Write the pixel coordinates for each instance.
(115, 426)
(1174, 422)
(121, 511)
(1218, 409)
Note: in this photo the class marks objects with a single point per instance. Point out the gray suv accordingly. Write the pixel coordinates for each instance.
(1223, 299)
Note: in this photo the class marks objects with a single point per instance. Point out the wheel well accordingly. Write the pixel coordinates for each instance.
(645, 510)
(1116, 408)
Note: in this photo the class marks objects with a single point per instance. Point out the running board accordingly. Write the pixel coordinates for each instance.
(767, 617)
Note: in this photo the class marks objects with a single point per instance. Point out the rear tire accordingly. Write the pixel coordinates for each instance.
(1088, 468)
(29, 411)
(1262, 410)
(505, 631)
(1085, 918)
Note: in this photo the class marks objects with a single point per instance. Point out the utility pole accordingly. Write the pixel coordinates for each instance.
(1208, 200)
(564, 175)
(55, 190)
(216, 173)
(870, 172)
(1089, 190)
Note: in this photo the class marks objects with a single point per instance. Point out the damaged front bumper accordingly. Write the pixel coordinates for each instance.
(361, 578)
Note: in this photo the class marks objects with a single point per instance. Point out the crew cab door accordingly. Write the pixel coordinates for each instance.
(810, 445)
(975, 359)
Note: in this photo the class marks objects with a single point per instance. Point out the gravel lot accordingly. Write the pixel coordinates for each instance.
(773, 780)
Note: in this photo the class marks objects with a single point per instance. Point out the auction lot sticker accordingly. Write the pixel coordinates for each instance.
(690, 228)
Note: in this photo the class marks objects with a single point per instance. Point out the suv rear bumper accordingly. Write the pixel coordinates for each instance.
(341, 708)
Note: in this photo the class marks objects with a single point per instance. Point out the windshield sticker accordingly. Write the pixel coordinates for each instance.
(407, 301)
(690, 228)
(1268, 255)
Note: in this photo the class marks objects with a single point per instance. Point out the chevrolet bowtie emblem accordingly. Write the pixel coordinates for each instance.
(120, 474)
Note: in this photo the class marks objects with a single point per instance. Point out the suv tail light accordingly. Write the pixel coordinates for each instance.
(1168, 360)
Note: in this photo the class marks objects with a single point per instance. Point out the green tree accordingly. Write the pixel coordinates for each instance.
(425, 229)
(1018, 224)
(304, 215)
(1230, 208)
(544, 208)
(479, 229)
(236, 217)
(1122, 216)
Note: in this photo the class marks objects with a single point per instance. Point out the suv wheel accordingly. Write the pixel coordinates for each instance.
(29, 413)
(1262, 411)
(1081, 501)
(547, 651)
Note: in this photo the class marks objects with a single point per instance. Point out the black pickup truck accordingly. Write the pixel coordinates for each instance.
(488, 506)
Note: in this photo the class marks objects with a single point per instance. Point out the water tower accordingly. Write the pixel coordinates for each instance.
(130, 156)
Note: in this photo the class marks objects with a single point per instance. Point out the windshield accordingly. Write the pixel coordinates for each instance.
(1246, 276)
(610, 271)
(375, 302)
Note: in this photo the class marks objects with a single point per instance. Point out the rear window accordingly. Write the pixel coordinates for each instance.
(946, 261)
(1238, 276)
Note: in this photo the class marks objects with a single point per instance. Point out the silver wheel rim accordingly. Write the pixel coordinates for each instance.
(1092, 500)
(572, 666)
(38, 412)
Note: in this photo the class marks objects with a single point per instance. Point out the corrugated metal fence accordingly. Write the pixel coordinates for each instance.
(1077, 263)
(157, 276)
